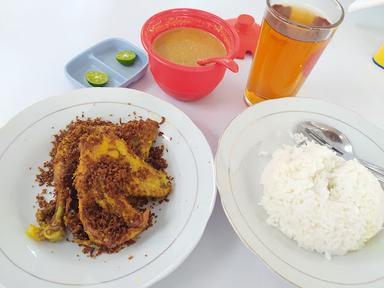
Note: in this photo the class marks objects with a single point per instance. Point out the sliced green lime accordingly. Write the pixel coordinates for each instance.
(126, 57)
(96, 78)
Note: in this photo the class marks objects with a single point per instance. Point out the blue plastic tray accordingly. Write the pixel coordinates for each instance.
(102, 57)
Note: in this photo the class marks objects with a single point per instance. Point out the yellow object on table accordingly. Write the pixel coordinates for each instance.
(379, 56)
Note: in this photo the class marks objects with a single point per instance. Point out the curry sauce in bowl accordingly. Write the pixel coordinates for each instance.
(185, 46)
(175, 39)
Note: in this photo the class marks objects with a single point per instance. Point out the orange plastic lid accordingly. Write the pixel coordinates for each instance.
(248, 31)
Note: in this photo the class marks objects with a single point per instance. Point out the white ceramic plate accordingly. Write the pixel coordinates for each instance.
(25, 142)
(243, 152)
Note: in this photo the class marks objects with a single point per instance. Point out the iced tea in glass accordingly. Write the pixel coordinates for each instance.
(293, 35)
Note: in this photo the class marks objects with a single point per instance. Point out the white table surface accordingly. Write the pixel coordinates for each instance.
(38, 37)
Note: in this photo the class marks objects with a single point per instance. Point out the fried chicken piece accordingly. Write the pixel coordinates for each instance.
(144, 180)
(63, 167)
(139, 136)
(106, 169)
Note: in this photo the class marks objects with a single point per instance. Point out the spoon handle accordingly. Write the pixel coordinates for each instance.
(227, 62)
(377, 170)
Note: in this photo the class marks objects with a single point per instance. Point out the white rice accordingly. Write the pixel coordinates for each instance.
(321, 201)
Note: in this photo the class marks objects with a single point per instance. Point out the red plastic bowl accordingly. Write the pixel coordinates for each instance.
(183, 82)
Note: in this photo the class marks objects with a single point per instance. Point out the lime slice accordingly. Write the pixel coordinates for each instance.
(126, 57)
(96, 78)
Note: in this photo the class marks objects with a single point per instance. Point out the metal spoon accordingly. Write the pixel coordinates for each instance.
(337, 141)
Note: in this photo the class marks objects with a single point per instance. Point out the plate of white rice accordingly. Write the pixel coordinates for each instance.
(311, 216)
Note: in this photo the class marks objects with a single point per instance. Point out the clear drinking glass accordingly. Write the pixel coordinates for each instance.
(292, 37)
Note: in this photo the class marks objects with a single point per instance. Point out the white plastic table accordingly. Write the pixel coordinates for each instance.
(38, 37)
